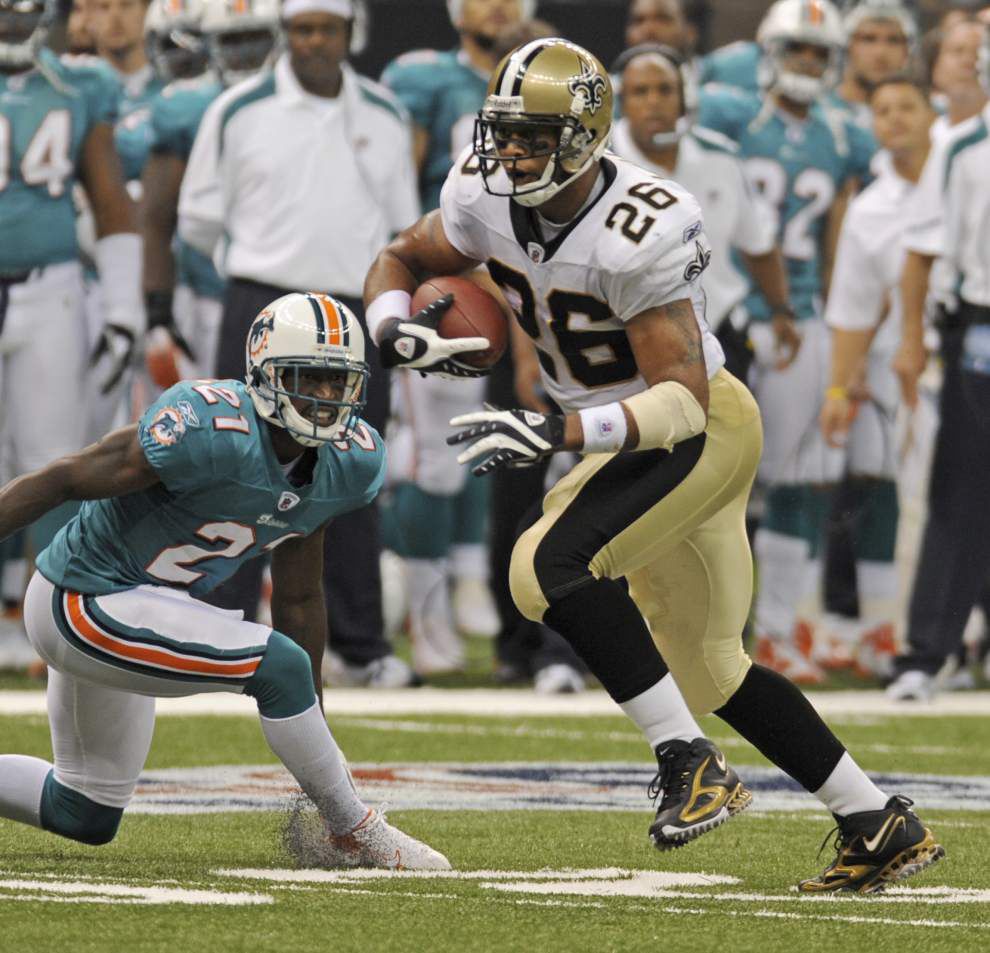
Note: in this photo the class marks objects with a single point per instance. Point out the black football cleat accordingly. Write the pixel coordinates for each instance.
(876, 848)
(698, 792)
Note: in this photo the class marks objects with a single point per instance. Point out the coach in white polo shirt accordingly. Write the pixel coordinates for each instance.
(297, 178)
(949, 218)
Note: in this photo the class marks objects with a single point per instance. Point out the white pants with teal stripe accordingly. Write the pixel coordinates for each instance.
(110, 656)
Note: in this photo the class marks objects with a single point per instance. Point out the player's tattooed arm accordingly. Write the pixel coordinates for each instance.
(298, 607)
(666, 342)
(113, 467)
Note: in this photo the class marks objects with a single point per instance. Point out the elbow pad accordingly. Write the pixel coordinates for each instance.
(665, 414)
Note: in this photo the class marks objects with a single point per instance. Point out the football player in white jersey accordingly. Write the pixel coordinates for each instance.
(602, 262)
(864, 315)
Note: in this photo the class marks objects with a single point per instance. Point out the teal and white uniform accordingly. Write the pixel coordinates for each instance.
(223, 498)
(132, 134)
(46, 125)
(47, 115)
(737, 65)
(175, 117)
(443, 94)
(799, 167)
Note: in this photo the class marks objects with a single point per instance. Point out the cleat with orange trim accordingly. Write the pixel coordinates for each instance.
(876, 848)
(698, 792)
(376, 843)
(876, 652)
(784, 658)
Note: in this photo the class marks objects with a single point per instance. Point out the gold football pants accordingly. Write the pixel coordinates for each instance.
(671, 523)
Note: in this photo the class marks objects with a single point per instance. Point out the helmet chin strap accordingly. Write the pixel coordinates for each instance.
(548, 191)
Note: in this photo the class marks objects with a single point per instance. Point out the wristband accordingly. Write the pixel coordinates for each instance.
(604, 428)
(389, 304)
(158, 307)
(836, 393)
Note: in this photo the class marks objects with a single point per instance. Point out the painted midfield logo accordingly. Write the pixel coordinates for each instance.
(591, 86)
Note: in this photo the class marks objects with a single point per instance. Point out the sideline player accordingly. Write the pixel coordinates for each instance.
(438, 515)
(864, 315)
(602, 262)
(215, 473)
(58, 118)
(806, 163)
(658, 132)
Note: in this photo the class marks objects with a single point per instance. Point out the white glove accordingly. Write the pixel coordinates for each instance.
(112, 355)
(507, 438)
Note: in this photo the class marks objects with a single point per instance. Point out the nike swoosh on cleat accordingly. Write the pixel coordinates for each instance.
(872, 843)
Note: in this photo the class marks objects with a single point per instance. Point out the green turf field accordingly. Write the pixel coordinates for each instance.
(545, 878)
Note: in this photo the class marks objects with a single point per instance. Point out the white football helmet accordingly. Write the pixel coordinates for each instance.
(296, 336)
(455, 7)
(243, 36)
(857, 13)
(800, 21)
(174, 39)
(24, 26)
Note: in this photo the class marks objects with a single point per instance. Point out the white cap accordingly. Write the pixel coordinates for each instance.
(340, 8)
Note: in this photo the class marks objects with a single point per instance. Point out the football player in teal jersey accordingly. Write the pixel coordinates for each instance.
(236, 42)
(806, 161)
(443, 91)
(58, 117)
(214, 473)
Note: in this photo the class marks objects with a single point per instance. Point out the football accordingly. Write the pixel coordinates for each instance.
(474, 313)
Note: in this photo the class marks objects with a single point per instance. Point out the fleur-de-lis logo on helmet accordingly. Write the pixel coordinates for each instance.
(591, 85)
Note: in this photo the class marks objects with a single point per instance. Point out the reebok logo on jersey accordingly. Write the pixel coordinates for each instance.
(691, 232)
(286, 501)
(188, 414)
(535, 252)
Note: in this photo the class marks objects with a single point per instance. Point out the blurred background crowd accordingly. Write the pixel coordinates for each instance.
(168, 168)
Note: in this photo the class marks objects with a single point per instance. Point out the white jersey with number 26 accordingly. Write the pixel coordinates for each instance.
(638, 244)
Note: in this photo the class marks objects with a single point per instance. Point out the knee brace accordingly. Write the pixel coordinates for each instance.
(73, 815)
(283, 683)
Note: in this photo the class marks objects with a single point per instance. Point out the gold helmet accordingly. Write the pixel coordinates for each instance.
(555, 99)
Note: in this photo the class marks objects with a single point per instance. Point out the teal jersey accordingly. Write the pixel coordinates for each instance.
(176, 113)
(737, 65)
(45, 116)
(223, 498)
(132, 135)
(443, 94)
(799, 167)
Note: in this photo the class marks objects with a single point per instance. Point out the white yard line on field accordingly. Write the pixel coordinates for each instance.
(511, 702)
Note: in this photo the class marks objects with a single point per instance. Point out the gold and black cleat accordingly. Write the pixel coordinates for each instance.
(876, 848)
(698, 792)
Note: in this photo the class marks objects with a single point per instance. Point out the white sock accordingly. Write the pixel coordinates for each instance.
(783, 564)
(662, 714)
(849, 791)
(426, 588)
(306, 747)
(21, 782)
(877, 584)
(469, 561)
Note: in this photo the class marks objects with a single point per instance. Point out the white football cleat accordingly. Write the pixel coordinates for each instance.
(436, 647)
(376, 843)
(389, 671)
(912, 686)
(474, 608)
(558, 679)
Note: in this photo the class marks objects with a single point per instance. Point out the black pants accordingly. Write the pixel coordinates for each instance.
(955, 552)
(521, 644)
(351, 575)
